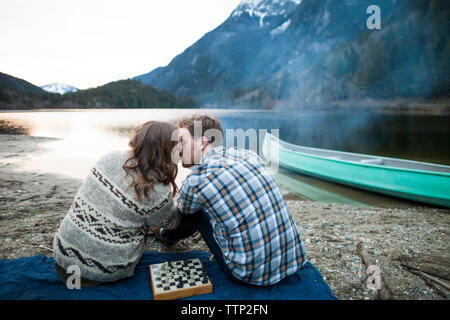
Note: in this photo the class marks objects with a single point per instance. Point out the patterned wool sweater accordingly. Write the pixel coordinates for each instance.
(103, 233)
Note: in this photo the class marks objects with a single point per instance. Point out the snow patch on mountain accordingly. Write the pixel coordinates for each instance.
(59, 87)
(280, 29)
(263, 8)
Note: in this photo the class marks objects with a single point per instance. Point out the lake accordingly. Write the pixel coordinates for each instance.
(82, 136)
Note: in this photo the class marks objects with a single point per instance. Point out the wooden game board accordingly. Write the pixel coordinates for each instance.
(179, 279)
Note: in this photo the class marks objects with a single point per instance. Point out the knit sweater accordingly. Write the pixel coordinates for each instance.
(103, 233)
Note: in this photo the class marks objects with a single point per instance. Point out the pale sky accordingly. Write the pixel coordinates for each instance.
(87, 43)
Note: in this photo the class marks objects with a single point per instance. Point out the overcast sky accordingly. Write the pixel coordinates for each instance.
(87, 43)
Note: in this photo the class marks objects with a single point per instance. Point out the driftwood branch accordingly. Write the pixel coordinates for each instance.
(41, 247)
(427, 281)
(13, 234)
(436, 280)
(427, 276)
(384, 291)
(363, 254)
(409, 266)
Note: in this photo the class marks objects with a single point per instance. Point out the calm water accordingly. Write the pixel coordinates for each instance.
(414, 137)
(84, 135)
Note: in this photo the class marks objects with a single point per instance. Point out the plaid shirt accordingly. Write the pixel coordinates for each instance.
(249, 217)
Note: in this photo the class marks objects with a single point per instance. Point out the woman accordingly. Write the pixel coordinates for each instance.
(125, 193)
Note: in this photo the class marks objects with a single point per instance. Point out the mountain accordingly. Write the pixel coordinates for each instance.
(126, 94)
(7, 81)
(59, 87)
(262, 9)
(275, 53)
(16, 93)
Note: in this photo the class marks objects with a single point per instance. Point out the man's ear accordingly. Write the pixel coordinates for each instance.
(205, 142)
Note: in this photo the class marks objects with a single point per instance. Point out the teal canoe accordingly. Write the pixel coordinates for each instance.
(413, 180)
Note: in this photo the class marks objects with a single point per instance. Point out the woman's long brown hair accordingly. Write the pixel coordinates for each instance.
(150, 158)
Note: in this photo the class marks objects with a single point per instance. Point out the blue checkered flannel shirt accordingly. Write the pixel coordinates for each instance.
(250, 220)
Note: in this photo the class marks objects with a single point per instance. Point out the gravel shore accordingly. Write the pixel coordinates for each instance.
(32, 205)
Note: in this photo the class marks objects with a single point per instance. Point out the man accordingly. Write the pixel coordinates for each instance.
(237, 207)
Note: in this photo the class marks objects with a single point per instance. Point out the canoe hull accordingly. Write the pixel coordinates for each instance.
(425, 186)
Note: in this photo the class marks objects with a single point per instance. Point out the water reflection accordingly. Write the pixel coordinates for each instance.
(82, 136)
(414, 137)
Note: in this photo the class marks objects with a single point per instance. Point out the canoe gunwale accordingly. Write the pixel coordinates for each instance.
(283, 144)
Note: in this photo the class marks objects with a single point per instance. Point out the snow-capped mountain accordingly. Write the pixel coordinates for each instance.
(262, 9)
(265, 49)
(308, 52)
(59, 87)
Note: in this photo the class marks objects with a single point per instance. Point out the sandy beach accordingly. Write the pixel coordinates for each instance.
(32, 204)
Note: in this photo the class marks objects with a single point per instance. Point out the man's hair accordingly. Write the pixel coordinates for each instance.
(210, 123)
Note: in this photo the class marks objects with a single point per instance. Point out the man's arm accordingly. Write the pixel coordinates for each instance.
(188, 201)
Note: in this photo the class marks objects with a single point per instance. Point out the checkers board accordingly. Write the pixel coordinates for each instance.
(179, 279)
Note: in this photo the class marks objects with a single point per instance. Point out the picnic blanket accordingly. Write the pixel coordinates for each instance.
(36, 278)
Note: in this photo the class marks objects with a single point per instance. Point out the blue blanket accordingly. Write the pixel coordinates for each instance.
(36, 278)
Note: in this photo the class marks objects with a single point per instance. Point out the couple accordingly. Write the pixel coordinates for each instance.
(228, 197)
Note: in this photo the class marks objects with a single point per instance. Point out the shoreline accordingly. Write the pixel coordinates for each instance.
(32, 205)
(395, 106)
